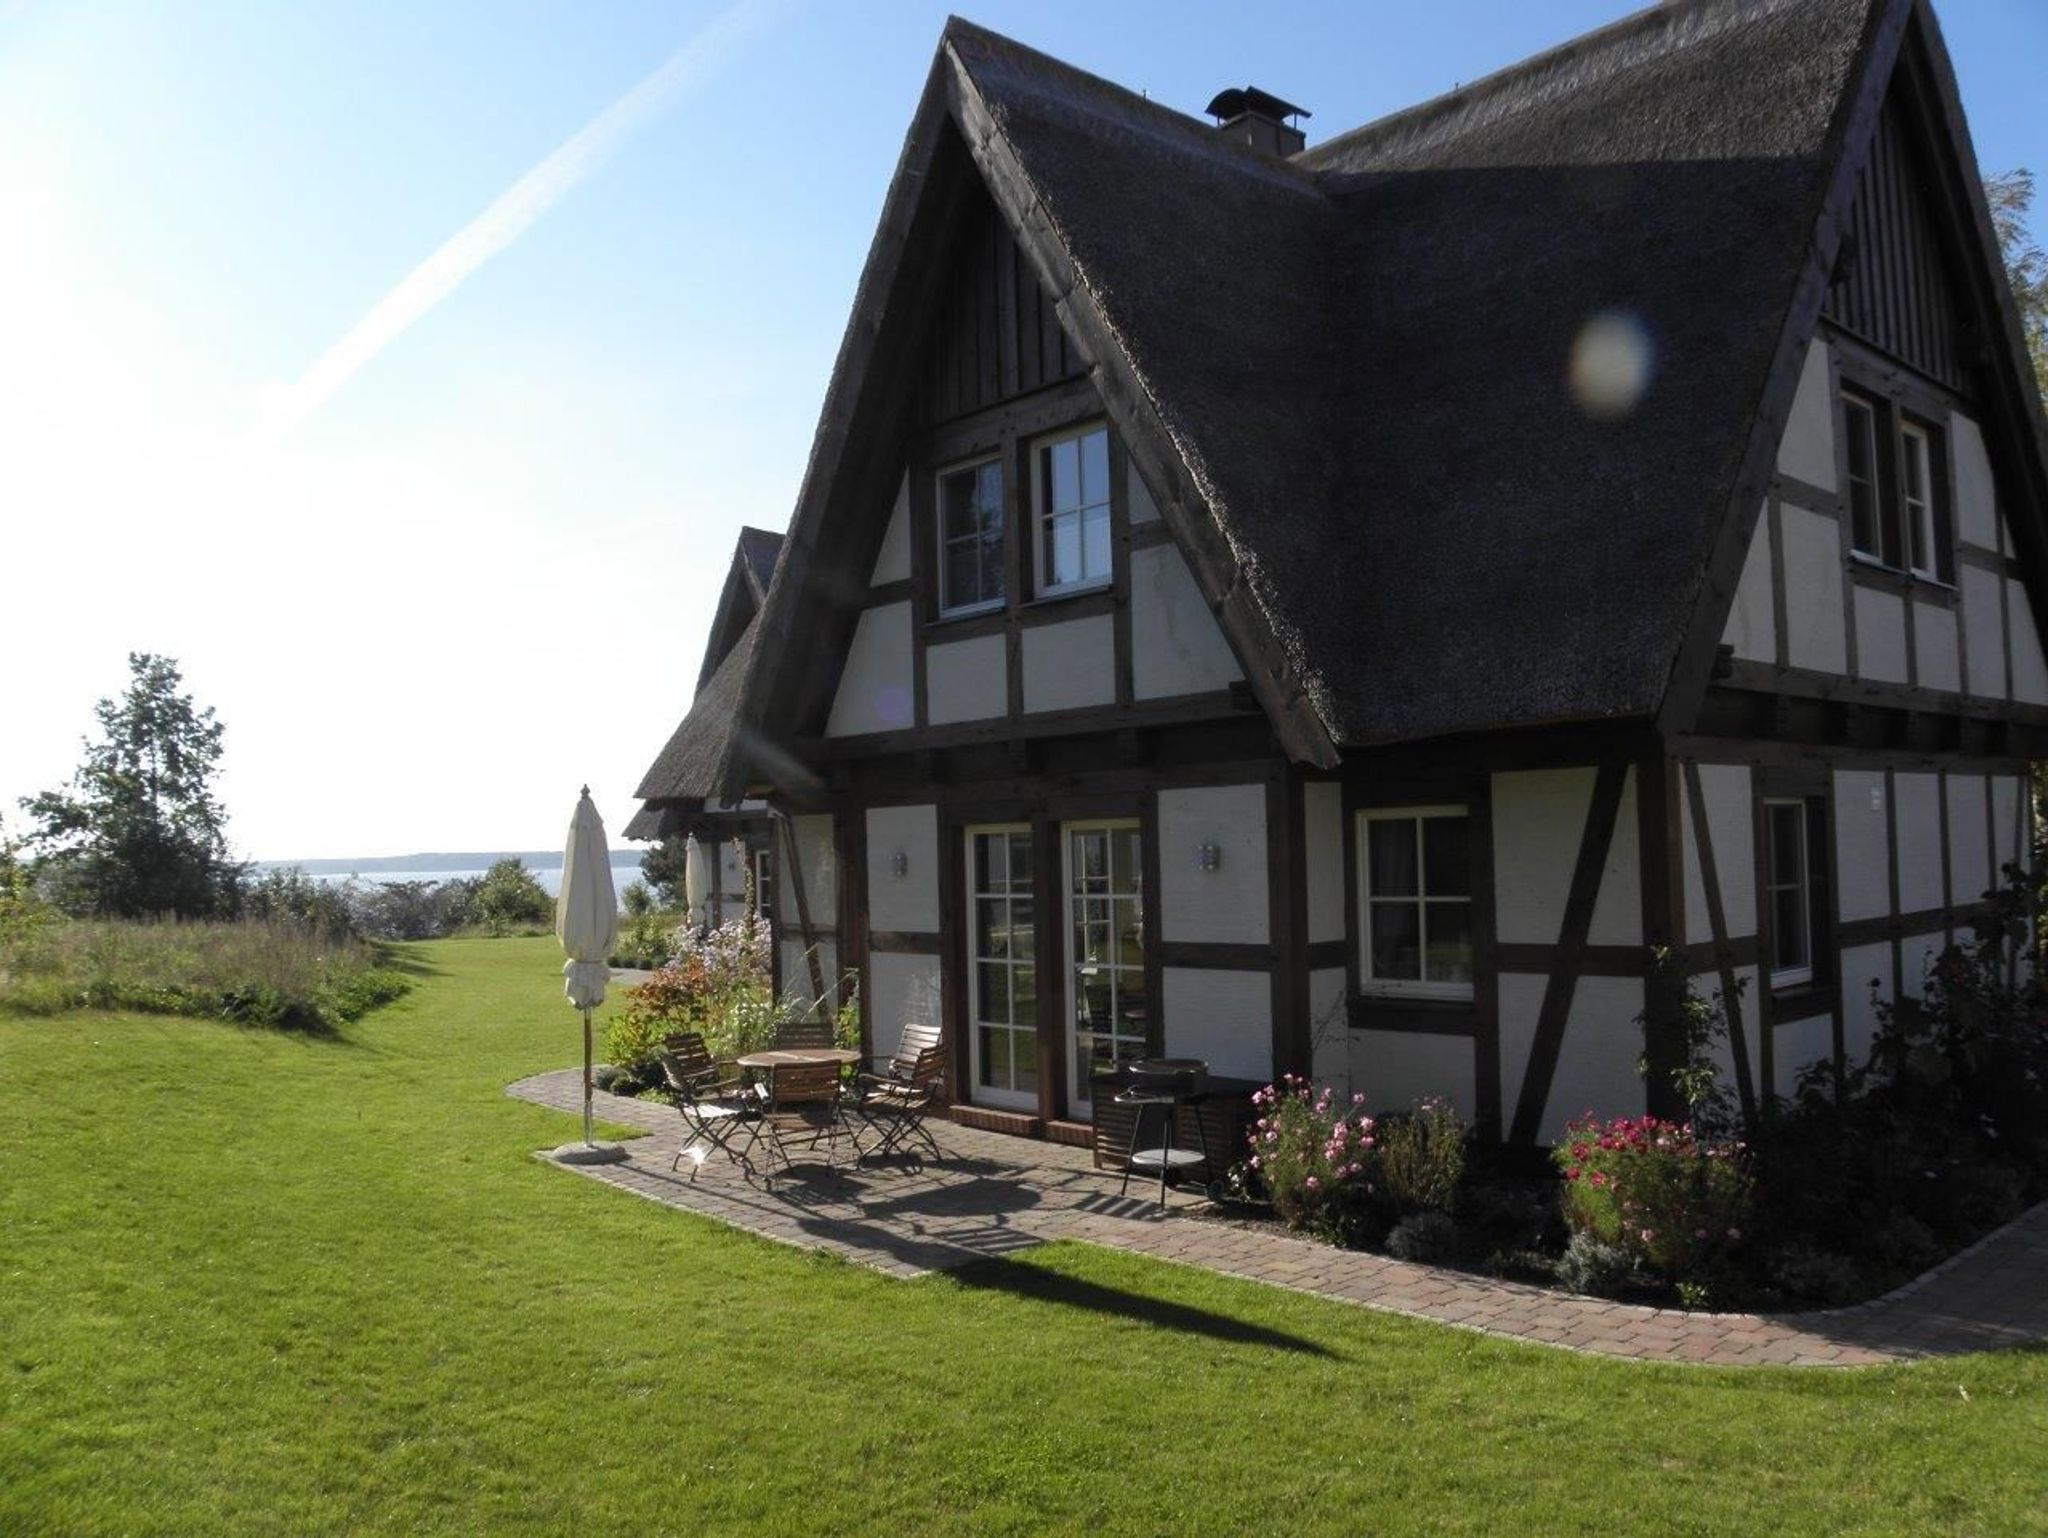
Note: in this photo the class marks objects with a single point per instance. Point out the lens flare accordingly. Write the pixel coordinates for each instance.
(1612, 361)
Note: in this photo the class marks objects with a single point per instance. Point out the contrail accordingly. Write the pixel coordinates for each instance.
(509, 215)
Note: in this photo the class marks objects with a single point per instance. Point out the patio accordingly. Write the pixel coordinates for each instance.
(990, 1195)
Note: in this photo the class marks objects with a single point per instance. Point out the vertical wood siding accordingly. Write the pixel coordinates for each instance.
(1896, 293)
(997, 333)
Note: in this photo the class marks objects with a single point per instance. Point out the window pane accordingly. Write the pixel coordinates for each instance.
(1446, 856)
(963, 575)
(985, 867)
(995, 1057)
(1023, 1062)
(1023, 934)
(1126, 861)
(958, 515)
(1063, 550)
(1094, 453)
(1391, 858)
(1788, 927)
(1023, 994)
(1396, 941)
(994, 998)
(1020, 861)
(1450, 943)
(1787, 824)
(1063, 479)
(1095, 543)
(1861, 432)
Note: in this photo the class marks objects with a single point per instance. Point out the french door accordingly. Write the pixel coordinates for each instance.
(1002, 960)
(1104, 923)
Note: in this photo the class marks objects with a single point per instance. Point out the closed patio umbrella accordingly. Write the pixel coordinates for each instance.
(696, 883)
(587, 922)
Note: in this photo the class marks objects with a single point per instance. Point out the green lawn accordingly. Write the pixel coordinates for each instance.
(259, 1283)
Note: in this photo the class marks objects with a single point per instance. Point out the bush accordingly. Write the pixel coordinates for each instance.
(1427, 1238)
(1422, 1157)
(293, 897)
(1320, 1165)
(249, 971)
(647, 938)
(1598, 1269)
(1813, 1275)
(510, 900)
(1649, 1188)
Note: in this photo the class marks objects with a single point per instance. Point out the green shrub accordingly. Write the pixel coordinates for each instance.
(1422, 1157)
(1598, 1269)
(1426, 1238)
(1675, 1203)
(1813, 1275)
(510, 900)
(1320, 1164)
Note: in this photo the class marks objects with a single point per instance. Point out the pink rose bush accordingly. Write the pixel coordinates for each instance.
(1673, 1201)
(1319, 1158)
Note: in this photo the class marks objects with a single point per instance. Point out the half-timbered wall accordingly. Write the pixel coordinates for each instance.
(1215, 927)
(1810, 617)
(903, 858)
(808, 907)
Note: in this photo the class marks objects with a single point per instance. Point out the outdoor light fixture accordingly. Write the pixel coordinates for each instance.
(1208, 856)
(900, 864)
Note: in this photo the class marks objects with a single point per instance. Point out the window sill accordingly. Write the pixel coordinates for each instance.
(1412, 1012)
(1873, 572)
(1072, 590)
(1800, 1002)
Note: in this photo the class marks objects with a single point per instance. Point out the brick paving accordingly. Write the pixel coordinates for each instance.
(992, 1195)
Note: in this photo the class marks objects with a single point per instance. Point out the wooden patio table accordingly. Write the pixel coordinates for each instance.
(778, 1057)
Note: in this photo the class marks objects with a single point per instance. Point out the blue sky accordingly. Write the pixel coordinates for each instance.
(477, 571)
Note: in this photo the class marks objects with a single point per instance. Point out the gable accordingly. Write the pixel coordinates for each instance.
(1894, 284)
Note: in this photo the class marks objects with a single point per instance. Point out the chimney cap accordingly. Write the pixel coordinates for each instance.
(1234, 103)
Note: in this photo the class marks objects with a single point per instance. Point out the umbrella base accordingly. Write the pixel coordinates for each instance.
(588, 1153)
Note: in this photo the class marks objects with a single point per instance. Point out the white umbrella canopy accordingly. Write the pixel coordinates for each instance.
(587, 909)
(587, 922)
(696, 881)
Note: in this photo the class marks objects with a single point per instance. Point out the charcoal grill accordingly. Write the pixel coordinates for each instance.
(1160, 1087)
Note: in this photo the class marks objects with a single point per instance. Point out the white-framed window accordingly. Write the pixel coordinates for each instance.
(971, 537)
(1866, 507)
(1002, 966)
(1415, 901)
(1917, 495)
(1070, 495)
(1788, 892)
(764, 882)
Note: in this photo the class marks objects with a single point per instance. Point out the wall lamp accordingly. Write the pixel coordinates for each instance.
(1208, 856)
(899, 864)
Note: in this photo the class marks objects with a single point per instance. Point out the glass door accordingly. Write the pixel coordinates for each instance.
(1105, 951)
(1002, 960)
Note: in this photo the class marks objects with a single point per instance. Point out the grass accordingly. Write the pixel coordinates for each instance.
(252, 971)
(253, 1282)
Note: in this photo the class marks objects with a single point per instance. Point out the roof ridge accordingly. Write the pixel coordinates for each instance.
(1197, 136)
(1656, 31)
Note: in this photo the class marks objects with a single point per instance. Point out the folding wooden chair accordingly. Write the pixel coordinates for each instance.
(714, 1110)
(802, 1107)
(897, 1067)
(796, 1035)
(894, 1107)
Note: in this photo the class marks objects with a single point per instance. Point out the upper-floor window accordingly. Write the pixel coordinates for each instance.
(971, 537)
(1897, 515)
(1415, 901)
(1071, 492)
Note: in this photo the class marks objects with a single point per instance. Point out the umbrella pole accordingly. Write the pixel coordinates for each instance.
(589, 1128)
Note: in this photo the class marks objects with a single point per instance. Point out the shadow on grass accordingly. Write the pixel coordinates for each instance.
(403, 956)
(1041, 1286)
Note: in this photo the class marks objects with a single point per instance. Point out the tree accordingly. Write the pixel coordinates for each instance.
(665, 869)
(140, 832)
(509, 898)
(2011, 196)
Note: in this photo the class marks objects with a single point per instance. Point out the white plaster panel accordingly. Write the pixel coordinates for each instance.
(909, 902)
(1808, 448)
(2006, 821)
(966, 680)
(1918, 815)
(2029, 669)
(1176, 645)
(1394, 1069)
(1863, 966)
(796, 972)
(819, 859)
(1539, 816)
(1596, 1064)
(892, 563)
(874, 687)
(1521, 1000)
(1918, 953)
(1880, 635)
(902, 990)
(1976, 494)
(1725, 789)
(1939, 653)
(1329, 1033)
(1228, 904)
(1752, 627)
(1815, 630)
(1143, 508)
(1618, 908)
(1070, 664)
(1983, 632)
(1794, 1044)
(1969, 839)
(1322, 809)
(1224, 1018)
(1863, 858)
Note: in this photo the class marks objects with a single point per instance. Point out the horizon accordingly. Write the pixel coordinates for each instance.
(365, 341)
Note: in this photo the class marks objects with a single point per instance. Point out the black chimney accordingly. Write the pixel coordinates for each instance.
(1252, 117)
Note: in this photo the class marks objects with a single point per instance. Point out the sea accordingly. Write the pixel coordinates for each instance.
(385, 870)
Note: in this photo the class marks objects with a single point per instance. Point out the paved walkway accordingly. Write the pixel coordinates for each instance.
(991, 1195)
